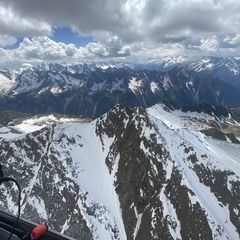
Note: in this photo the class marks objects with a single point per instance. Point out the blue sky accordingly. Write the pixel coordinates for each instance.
(62, 34)
(66, 35)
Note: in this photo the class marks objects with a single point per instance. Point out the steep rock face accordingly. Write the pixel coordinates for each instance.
(136, 180)
(161, 176)
(130, 174)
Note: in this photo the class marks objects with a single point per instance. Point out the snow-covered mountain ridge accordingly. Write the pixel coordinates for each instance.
(130, 174)
(91, 90)
(226, 69)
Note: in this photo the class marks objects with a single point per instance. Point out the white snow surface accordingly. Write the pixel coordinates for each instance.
(88, 161)
(177, 119)
(93, 176)
(170, 214)
(154, 87)
(135, 85)
(139, 220)
(30, 125)
(56, 90)
(175, 128)
(5, 84)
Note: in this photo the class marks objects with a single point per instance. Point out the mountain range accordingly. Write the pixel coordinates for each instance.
(90, 90)
(124, 151)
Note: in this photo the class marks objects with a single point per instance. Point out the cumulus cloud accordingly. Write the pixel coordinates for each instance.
(97, 49)
(153, 51)
(84, 16)
(38, 49)
(44, 48)
(131, 29)
(209, 44)
(233, 40)
(16, 25)
(133, 20)
(6, 40)
(113, 47)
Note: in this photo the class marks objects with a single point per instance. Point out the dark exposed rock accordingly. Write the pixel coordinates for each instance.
(215, 133)
(193, 220)
(93, 92)
(156, 188)
(232, 137)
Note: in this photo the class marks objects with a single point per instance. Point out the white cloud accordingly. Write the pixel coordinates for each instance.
(44, 49)
(97, 49)
(134, 20)
(112, 47)
(40, 49)
(233, 40)
(127, 29)
(15, 25)
(124, 51)
(6, 40)
(148, 51)
(209, 44)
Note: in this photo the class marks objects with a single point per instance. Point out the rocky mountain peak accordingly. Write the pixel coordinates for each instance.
(133, 173)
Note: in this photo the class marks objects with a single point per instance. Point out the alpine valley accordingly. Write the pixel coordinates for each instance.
(124, 151)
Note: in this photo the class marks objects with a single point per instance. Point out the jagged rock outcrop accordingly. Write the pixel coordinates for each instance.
(130, 174)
